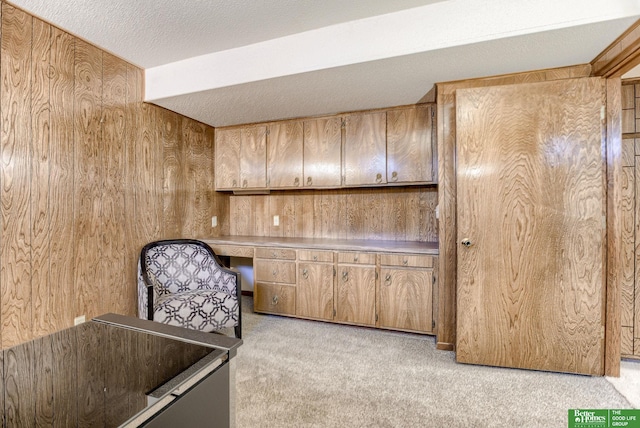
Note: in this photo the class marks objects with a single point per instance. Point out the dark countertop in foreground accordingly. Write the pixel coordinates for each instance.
(328, 244)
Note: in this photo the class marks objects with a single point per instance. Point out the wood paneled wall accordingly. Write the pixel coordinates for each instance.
(391, 213)
(630, 278)
(88, 175)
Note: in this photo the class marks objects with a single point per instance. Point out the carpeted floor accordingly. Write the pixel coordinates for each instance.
(297, 373)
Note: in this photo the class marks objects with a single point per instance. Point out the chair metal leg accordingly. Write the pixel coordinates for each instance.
(238, 331)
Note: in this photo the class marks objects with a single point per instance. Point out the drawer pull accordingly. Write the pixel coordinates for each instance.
(274, 301)
(235, 183)
(355, 259)
(387, 279)
(345, 276)
(244, 183)
(378, 178)
(405, 262)
(275, 272)
(315, 258)
(394, 176)
(305, 273)
(296, 182)
(274, 255)
(309, 181)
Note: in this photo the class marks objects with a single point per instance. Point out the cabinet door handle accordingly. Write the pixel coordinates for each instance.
(274, 301)
(394, 176)
(309, 181)
(315, 258)
(275, 272)
(355, 259)
(378, 178)
(305, 273)
(235, 183)
(244, 183)
(345, 276)
(296, 182)
(405, 262)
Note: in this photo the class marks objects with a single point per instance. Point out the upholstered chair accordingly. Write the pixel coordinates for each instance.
(182, 282)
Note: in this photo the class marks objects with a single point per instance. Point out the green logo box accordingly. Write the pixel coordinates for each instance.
(603, 418)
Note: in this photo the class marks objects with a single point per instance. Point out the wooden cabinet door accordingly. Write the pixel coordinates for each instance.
(406, 299)
(227, 156)
(284, 160)
(356, 294)
(365, 153)
(253, 157)
(274, 298)
(531, 234)
(323, 152)
(314, 294)
(410, 145)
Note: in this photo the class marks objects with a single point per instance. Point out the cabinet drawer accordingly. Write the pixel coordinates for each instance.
(275, 271)
(275, 298)
(315, 256)
(357, 258)
(233, 250)
(276, 253)
(407, 260)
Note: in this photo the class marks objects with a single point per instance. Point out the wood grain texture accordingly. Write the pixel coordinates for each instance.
(15, 137)
(356, 294)
(628, 260)
(43, 381)
(64, 348)
(253, 157)
(626, 342)
(173, 181)
(274, 271)
(19, 402)
(112, 248)
(40, 179)
(284, 157)
(364, 149)
(199, 175)
(90, 374)
(406, 299)
(323, 152)
(614, 227)
(228, 142)
(314, 290)
(446, 140)
(531, 288)
(409, 145)
(87, 183)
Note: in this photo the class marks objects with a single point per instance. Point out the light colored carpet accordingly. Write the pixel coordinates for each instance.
(628, 384)
(297, 373)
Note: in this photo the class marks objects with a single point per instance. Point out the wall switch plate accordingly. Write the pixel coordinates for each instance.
(276, 220)
(214, 221)
(79, 320)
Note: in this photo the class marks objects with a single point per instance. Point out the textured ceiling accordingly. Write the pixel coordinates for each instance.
(227, 62)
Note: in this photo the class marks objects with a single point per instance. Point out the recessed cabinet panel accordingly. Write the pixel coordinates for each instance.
(406, 299)
(365, 153)
(275, 271)
(285, 155)
(323, 152)
(410, 145)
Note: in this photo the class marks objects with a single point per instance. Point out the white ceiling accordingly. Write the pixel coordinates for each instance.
(227, 62)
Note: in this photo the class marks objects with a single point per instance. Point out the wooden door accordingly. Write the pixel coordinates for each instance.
(365, 153)
(228, 158)
(314, 296)
(531, 226)
(410, 145)
(323, 152)
(356, 294)
(253, 157)
(406, 299)
(284, 160)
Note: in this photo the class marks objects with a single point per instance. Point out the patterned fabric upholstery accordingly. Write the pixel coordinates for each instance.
(189, 288)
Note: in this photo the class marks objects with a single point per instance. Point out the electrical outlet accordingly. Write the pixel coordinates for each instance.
(276, 220)
(79, 320)
(214, 221)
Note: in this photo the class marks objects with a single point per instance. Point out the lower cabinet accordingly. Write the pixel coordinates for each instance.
(391, 291)
(356, 289)
(314, 290)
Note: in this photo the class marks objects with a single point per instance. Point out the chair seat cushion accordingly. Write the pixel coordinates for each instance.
(204, 310)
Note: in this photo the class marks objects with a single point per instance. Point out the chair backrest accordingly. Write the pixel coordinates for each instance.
(177, 266)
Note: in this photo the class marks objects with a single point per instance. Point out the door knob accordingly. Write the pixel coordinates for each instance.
(466, 242)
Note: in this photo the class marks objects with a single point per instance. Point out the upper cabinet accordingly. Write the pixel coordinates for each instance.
(285, 154)
(375, 148)
(323, 152)
(410, 145)
(241, 158)
(365, 151)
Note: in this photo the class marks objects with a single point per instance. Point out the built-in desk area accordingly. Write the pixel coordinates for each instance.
(120, 371)
(383, 284)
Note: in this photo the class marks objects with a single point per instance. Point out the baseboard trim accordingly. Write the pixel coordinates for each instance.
(444, 346)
